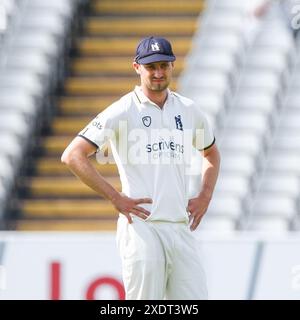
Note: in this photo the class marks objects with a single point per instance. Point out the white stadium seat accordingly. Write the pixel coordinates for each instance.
(25, 80)
(42, 20)
(231, 4)
(209, 102)
(287, 141)
(10, 147)
(238, 163)
(17, 100)
(293, 100)
(284, 163)
(212, 60)
(267, 80)
(242, 142)
(231, 21)
(283, 41)
(263, 59)
(288, 185)
(255, 123)
(215, 81)
(233, 184)
(290, 120)
(269, 224)
(295, 82)
(15, 123)
(42, 41)
(226, 42)
(10, 9)
(216, 224)
(262, 101)
(273, 204)
(227, 206)
(28, 59)
(31, 60)
(62, 7)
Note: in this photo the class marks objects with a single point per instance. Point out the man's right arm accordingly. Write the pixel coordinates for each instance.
(76, 157)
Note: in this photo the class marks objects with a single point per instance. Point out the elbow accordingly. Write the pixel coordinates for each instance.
(68, 157)
(65, 157)
(72, 156)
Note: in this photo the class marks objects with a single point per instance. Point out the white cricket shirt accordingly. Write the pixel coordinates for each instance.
(152, 148)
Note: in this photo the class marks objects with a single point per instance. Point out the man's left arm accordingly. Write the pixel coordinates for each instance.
(210, 170)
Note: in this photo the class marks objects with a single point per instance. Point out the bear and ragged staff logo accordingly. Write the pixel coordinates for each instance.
(178, 122)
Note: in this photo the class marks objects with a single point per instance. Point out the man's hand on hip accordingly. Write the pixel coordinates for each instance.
(126, 205)
(197, 208)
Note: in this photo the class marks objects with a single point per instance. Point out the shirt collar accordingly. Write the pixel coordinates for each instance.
(142, 98)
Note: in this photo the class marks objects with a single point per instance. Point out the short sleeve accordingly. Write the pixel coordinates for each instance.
(104, 127)
(203, 136)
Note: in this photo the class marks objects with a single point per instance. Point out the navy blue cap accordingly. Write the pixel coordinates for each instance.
(152, 49)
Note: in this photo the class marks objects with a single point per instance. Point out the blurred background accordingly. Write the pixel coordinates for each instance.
(64, 61)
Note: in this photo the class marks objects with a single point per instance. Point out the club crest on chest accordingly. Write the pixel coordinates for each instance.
(146, 121)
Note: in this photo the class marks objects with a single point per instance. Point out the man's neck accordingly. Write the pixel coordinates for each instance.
(158, 97)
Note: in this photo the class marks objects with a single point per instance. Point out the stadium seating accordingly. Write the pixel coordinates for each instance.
(217, 224)
(256, 116)
(287, 185)
(244, 79)
(49, 197)
(31, 47)
(233, 184)
(266, 225)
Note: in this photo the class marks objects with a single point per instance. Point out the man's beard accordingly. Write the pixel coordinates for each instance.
(159, 86)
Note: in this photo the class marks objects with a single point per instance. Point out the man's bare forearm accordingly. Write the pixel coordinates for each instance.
(87, 173)
(76, 157)
(210, 172)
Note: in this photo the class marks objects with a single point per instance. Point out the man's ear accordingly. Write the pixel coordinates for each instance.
(136, 67)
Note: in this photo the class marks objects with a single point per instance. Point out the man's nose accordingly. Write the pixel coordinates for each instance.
(158, 73)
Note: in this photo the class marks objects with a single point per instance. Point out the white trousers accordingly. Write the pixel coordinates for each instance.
(160, 261)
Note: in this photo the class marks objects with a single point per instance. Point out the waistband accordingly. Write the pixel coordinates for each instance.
(136, 218)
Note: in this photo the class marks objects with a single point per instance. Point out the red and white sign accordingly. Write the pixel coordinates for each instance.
(61, 266)
(87, 266)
